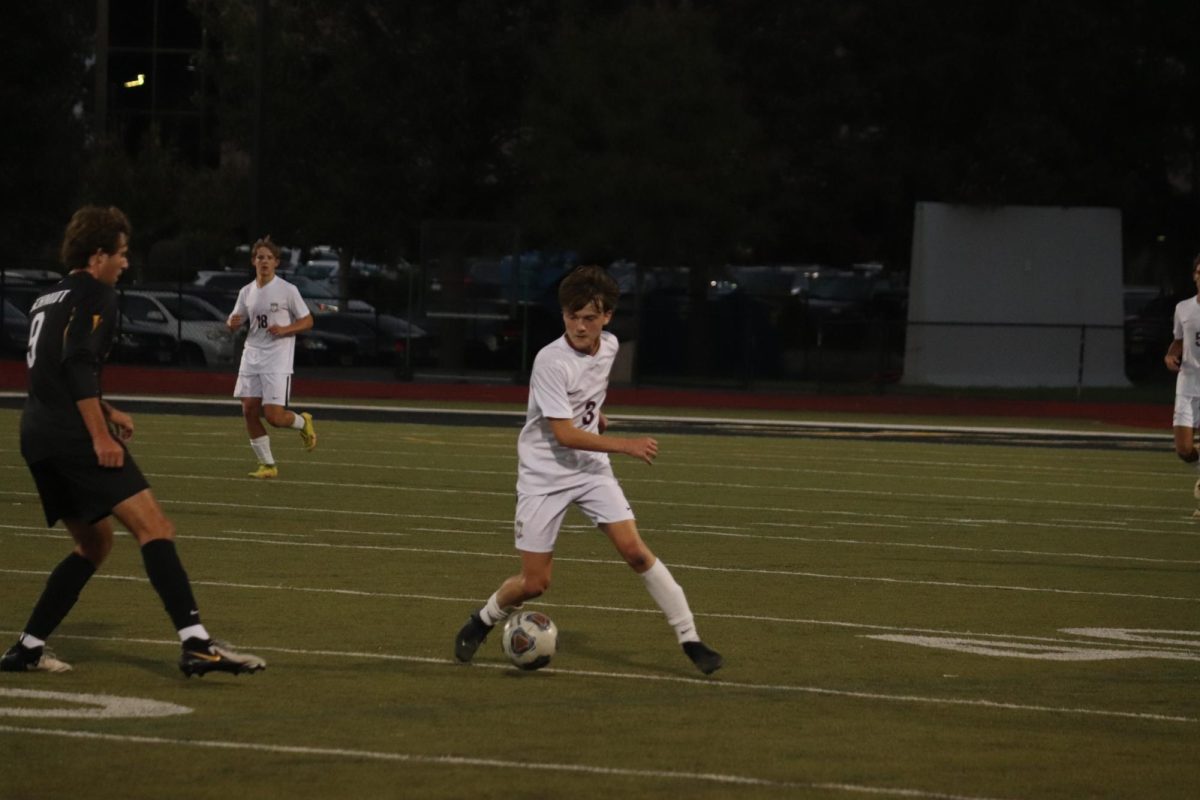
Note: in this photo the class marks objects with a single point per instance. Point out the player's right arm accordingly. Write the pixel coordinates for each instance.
(238, 317)
(1174, 357)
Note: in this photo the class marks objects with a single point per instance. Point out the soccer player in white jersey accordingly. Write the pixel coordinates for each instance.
(563, 460)
(1183, 357)
(276, 313)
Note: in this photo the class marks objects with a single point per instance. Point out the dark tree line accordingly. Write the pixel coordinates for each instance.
(664, 132)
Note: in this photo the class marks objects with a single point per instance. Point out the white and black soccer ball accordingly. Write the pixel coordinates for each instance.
(530, 639)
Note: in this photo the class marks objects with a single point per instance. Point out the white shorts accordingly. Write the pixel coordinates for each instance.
(1187, 411)
(274, 388)
(539, 516)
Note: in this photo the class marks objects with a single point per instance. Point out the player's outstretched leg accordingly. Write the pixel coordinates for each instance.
(704, 657)
(201, 656)
(20, 658)
(470, 636)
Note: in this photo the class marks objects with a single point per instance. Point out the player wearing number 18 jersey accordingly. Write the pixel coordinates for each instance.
(275, 313)
(563, 461)
(74, 443)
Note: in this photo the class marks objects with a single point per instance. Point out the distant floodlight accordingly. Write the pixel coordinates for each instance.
(138, 81)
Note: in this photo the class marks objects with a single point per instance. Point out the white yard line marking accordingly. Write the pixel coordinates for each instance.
(1159, 488)
(712, 684)
(1187, 522)
(678, 565)
(918, 545)
(1080, 638)
(487, 763)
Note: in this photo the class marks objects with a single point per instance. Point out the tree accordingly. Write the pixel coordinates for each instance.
(44, 99)
(635, 143)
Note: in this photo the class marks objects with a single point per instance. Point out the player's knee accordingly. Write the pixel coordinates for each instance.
(640, 561)
(96, 550)
(535, 585)
(158, 528)
(276, 416)
(636, 555)
(1188, 456)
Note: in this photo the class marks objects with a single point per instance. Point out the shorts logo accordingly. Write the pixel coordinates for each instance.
(518, 525)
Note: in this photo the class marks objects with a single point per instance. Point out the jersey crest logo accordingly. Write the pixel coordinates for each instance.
(274, 307)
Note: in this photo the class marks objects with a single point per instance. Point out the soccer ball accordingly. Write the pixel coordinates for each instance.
(530, 638)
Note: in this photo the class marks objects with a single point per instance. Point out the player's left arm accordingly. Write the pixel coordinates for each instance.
(565, 432)
(119, 422)
(291, 329)
(302, 319)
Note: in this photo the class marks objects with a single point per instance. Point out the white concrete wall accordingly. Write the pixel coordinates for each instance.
(989, 268)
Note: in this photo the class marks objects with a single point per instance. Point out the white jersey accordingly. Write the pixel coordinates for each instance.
(277, 303)
(1187, 328)
(565, 384)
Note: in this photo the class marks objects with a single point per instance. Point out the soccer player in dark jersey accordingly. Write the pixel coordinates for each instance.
(74, 443)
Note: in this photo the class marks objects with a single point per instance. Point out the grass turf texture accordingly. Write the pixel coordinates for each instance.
(351, 573)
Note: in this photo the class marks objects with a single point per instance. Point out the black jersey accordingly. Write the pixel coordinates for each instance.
(71, 329)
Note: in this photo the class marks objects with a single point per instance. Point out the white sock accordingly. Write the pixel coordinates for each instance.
(671, 599)
(262, 449)
(32, 642)
(492, 613)
(297, 422)
(193, 632)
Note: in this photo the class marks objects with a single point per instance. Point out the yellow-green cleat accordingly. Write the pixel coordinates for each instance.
(265, 471)
(308, 434)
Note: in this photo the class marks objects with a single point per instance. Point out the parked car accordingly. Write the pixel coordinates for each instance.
(224, 280)
(197, 325)
(381, 339)
(1149, 330)
(14, 335)
(317, 347)
(141, 343)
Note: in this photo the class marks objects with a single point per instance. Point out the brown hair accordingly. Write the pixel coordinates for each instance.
(588, 284)
(267, 243)
(92, 229)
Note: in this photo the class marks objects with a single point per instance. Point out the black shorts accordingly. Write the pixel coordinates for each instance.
(76, 487)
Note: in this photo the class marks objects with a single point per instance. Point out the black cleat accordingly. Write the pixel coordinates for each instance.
(201, 657)
(706, 659)
(20, 658)
(473, 634)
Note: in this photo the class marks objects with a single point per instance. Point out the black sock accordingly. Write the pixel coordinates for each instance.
(169, 579)
(63, 586)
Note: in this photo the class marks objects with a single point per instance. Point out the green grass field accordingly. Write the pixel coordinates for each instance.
(912, 620)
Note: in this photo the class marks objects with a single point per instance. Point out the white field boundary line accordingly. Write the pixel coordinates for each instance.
(730, 534)
(714, 684)
(1080, 639)
(490, 763)
(509, 453)
(1165, 490)
(503, 529)
(674, 503)
(766, 423)
(678, 565)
